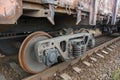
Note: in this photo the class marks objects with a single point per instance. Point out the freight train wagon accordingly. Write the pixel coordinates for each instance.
(45, 32)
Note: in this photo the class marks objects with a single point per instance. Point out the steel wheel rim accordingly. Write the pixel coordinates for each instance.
(22, 49)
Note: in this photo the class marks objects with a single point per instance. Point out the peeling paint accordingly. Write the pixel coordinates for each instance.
(8, 7)
(105, 6)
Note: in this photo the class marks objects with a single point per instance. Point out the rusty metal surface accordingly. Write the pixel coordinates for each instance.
(10, 11)
(73, 3)
(93, 12)
(51, 71)
(22, 50)
(115, 12)
(105, 6)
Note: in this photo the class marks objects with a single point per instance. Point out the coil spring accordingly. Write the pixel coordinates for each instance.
(78, 50)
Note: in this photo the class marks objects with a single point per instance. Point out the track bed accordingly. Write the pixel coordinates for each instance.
(102, 68)
(67, 70)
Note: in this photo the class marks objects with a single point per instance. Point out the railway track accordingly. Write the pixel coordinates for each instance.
(58, 70)
(10, 69)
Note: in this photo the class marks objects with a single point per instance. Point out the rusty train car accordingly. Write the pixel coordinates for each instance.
(45, 32)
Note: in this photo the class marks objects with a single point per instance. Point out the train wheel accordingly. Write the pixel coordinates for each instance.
(27, 56)
(91, 42)
(83, 30)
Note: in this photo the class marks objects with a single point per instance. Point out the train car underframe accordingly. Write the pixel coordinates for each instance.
(58, 44)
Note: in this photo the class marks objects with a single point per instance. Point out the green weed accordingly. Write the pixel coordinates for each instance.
(116, 75)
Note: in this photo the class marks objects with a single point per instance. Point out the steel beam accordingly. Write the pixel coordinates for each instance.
(115, 11)
(93, 12)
